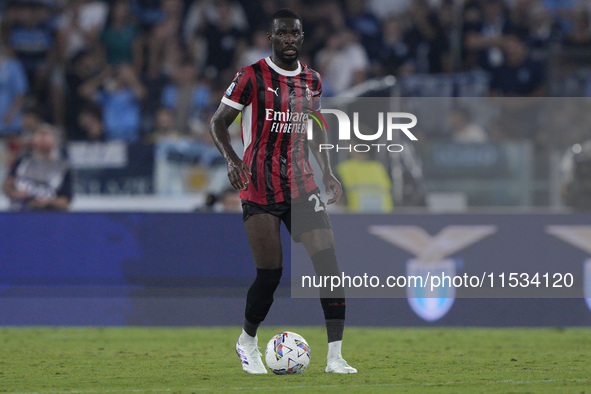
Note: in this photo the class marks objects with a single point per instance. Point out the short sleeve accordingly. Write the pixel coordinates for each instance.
(239, 93)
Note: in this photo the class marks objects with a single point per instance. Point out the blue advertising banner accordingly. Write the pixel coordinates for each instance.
(123, 249)
(195, 269)
(487, 247)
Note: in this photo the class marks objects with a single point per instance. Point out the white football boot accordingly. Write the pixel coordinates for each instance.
(339, 365)
(250, 357)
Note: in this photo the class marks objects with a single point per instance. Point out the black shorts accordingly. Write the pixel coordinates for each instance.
(299, 216)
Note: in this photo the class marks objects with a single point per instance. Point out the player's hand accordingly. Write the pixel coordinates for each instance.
(237, 174)
(20, 195)
(39, 202)
(333, 185)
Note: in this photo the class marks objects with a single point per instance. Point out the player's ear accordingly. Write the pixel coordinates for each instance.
(269, 37)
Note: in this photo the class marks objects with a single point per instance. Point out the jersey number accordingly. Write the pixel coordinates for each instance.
(317, 206)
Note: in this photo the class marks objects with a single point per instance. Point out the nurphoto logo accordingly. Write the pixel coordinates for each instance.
(394, 122)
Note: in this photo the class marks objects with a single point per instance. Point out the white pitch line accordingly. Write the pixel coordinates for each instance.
(308, 386)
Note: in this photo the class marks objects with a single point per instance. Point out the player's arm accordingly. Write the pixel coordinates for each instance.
(9, 185)
(330, 181)
(9, 188)
(218, 128)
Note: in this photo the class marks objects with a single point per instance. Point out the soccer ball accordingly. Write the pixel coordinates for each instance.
(287, 353)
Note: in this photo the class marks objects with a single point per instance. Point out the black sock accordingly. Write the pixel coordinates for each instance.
(334, 329)
(260, 298)
(250, 328)
(333, 301)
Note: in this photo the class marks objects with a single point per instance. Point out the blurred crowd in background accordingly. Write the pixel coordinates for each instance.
(152, 71)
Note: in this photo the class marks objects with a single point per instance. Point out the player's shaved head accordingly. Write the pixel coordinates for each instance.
(284, 13)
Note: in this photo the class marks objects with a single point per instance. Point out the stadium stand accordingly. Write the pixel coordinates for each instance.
(138, 81)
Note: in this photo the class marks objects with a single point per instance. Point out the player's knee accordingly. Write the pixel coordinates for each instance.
(318, 240)
(269, 278)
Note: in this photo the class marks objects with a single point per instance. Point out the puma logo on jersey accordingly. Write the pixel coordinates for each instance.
(273, 90)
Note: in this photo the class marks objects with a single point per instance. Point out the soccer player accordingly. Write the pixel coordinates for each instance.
(276, 182)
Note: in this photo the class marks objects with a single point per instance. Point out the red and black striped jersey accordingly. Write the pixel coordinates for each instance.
(275, 104)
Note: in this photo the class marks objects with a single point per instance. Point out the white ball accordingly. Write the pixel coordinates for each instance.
(287, 353)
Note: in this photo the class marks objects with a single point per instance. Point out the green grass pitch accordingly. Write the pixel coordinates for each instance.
(184, 360)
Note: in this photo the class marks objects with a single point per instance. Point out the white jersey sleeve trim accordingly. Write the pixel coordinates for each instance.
(232, 104)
